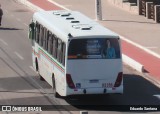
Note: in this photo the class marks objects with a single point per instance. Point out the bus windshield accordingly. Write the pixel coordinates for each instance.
(95, 48)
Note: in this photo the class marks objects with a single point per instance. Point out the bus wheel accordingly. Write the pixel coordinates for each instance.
(37, 69)
(41, 78)
(54, 88)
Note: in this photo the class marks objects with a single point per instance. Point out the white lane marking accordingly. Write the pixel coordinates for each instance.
(141, 47)
(18, 55)
(5, 43)
(31, 68)
(63, 7)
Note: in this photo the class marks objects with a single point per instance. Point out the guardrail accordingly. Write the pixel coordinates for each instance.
(142, 6)
(150, 9)
(157, 12)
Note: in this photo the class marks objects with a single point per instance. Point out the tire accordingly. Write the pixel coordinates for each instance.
(41, 78)
(56, 95)
(36, 62)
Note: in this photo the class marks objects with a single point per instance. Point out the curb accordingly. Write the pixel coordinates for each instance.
(127, 60)
(132, 63)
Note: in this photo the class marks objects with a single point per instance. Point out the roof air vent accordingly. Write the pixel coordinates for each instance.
(82, 27)
(76, 26)
(69, 18)
(62, 13)
(65, 14)
(56, 13)
(86, 28)
(74, 21)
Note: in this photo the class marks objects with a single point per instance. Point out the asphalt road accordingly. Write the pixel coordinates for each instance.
(20, 85)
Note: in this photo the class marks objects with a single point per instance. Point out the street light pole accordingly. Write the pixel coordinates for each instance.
(98, 9)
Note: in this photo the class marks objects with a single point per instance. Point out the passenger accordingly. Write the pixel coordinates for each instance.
(108, 51)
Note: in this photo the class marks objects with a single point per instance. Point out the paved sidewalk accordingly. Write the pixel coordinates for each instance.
(143, 34)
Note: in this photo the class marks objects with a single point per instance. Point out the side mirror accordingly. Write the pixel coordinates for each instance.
(31, 30)
(31, 25)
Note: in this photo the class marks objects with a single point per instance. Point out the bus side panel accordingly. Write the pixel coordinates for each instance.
(59, 75)
(45, 67)
(49, 67)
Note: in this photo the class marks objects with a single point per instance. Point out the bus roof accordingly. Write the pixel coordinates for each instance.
(65, 23)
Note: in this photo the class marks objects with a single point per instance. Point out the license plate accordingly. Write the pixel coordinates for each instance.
(93, 81)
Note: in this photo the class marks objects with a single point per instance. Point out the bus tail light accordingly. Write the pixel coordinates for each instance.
(119, 79)
(70, 81)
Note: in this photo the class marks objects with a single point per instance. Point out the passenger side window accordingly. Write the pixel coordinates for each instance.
(41, 36)
(50, 43)
(47, 38)
(59, 51)
(55, 46)
(37, 32)
(63, 53)
(44, 38)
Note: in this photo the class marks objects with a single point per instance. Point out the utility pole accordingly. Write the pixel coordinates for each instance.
(98, 9)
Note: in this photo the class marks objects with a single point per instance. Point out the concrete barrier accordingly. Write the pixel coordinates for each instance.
(132, 63)
(157, 13)
(148, 10)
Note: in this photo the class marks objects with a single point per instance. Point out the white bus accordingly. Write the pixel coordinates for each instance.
(75, 54)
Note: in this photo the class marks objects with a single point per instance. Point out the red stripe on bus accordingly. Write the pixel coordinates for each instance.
(51, 60)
